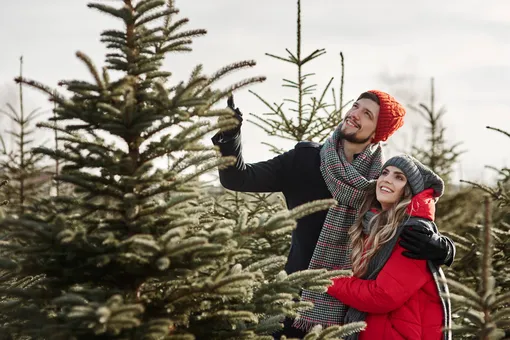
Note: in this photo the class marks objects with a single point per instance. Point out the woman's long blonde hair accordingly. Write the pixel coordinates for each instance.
(383, 228)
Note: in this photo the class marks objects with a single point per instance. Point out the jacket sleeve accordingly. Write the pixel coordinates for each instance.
(266, 176)
(448, 261)
(398, 280)
(451, 252)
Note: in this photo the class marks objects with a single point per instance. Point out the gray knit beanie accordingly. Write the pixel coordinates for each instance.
(419, 176)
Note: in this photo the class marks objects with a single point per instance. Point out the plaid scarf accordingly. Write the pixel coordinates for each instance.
(348, 183)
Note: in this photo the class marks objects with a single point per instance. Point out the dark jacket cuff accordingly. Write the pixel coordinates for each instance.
(451, 253)
(222, 138)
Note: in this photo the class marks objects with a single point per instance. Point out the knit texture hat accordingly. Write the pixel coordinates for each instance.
(391, 116)
(419, 176)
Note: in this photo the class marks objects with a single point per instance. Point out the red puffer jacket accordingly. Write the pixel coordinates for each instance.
(403, 301)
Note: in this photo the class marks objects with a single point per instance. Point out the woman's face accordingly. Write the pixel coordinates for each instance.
(390, 186)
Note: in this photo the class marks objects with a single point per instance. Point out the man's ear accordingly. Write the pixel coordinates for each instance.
(373, 137)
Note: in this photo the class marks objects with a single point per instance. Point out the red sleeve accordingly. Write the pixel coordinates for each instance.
(398, 280)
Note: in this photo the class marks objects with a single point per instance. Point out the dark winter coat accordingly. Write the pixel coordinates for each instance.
(296, 173)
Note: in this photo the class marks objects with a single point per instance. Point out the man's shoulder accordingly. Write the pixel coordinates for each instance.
(307, 145)
(306, 159)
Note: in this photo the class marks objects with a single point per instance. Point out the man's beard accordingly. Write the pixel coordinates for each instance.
(351, 137)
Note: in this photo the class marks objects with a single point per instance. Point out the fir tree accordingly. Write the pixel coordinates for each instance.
(253, 203)
(436, 153)
(452, 211)
(56, 183)
(28, 177)
(4, 202)
(134, 251)
(311, 118)
(479, 276)
(481, 306)
(501, 192)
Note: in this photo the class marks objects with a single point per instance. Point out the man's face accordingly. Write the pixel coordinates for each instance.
(360, 121)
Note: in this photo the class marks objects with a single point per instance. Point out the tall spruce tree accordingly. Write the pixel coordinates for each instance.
(501, 192)
(310, 117)
(480, 281)
(134, 251)
(57, 186)
(452, 212)
(28, 176)
(479, 277)
(436, 153)
(4, 202)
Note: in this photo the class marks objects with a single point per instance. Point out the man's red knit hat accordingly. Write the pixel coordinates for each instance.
(391, 116)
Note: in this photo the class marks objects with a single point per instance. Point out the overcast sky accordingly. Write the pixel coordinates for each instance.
(464, 44)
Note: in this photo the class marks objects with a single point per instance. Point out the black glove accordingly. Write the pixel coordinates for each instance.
(237, 114)
(423, 244)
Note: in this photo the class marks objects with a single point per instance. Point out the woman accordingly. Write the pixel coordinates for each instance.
(396, 296)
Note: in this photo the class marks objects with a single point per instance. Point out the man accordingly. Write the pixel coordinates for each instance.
(342, 168)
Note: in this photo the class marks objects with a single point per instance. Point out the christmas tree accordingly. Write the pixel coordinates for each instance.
(479, 281)
(458, 207)
(4, 202)
(436, 153)
(479, 277)
(134, 251)
(311, 117)
(27, 174)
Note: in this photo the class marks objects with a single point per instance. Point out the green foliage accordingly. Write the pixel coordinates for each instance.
(436, 153)
(133, 252)
(25, 171)
(229, 204)
(311, 120)
(458, 209)
(5, 202)
(501, 192)
(250, 210)
(481, 307)
(269, 233)
(479, 277)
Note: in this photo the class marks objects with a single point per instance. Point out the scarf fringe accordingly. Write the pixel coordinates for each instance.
(303, 324)
(307, 325)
